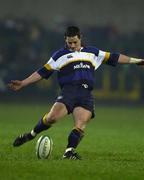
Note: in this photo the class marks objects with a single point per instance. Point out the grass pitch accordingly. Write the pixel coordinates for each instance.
(112, 149)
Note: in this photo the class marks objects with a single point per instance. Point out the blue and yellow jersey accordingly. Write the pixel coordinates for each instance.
(77, 67)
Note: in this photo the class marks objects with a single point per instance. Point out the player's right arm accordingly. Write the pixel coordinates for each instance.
(18, 84)
(44, 72)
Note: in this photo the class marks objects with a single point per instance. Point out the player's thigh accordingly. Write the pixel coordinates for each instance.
(57, 111)
(81, 117)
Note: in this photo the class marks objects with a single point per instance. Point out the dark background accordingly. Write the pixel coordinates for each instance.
(30, 31)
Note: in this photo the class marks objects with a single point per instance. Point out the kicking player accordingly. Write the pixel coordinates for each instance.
(75, 65)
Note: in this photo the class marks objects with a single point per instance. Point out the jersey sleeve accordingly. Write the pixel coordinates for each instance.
(99, 58)
(111, 58)
(47, 70)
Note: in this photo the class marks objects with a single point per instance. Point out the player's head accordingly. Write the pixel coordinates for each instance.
(72, 31)
(73, 38)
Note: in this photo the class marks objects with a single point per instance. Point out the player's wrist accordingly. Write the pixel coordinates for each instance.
(23, 83)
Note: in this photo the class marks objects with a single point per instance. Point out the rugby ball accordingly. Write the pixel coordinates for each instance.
(44, 147)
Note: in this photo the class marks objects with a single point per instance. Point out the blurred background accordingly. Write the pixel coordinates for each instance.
(31, 30)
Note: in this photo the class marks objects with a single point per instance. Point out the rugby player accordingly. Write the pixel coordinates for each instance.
(75, 65)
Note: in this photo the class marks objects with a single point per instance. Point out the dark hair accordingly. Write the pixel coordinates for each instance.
(72, 31)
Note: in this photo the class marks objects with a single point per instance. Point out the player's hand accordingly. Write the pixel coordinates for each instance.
(141, 63)
(15, 85)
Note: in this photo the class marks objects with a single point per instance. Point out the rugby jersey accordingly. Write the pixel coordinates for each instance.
(77, 67)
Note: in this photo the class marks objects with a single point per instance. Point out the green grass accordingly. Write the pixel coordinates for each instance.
(112, 149)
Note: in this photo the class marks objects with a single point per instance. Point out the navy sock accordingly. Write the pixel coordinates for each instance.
(74, 138)
(41, 127)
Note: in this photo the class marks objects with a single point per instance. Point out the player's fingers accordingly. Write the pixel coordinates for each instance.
(15, 85)
(141, 63)
(11, 86)
(15, 82)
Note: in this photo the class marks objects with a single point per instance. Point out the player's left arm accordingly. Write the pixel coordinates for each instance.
(114, 58)
(123, 59)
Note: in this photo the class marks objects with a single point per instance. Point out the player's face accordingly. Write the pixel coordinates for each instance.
(73, 43)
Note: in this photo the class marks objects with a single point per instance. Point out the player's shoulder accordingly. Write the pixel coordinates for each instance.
(57, 54)
(91, 49)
